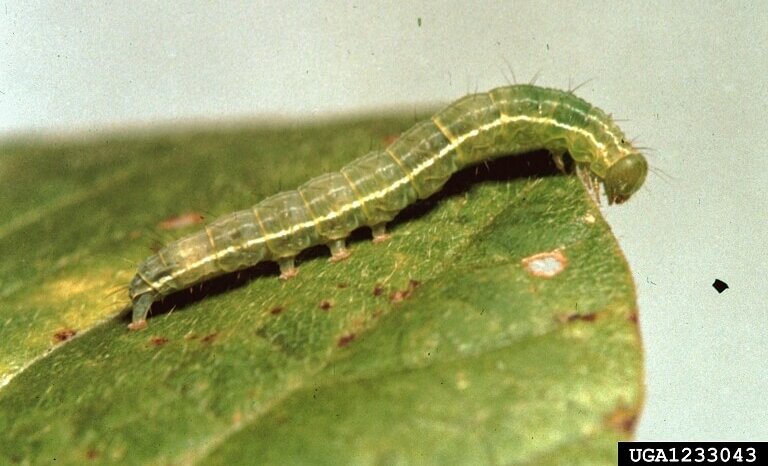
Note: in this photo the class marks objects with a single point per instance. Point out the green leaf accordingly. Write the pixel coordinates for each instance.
(444, 345)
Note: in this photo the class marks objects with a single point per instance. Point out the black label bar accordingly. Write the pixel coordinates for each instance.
(682, 453)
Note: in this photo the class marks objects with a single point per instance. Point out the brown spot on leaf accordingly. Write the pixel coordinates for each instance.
(546, 264)
(402, 295)
(63, 335)
(357, 321)
(622, 420)
(276, 310)
(345, 340)
(378, 290)
(397, 296)
(210, 337)
(341, 286)
(574, 317)
(92, 454)
(181, 221)
(158, 341)
(326, 305)
(633, 317)
(390, 139)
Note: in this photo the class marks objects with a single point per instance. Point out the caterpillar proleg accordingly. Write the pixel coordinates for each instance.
(371, 190)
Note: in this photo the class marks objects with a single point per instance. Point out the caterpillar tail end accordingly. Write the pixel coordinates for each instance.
(141, 307)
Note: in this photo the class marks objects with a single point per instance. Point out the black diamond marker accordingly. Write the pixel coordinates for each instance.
(720, 285)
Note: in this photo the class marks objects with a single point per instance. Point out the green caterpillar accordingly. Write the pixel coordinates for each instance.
(372, 190)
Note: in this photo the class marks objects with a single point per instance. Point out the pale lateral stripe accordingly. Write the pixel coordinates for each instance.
(606, 129)
(504, 119)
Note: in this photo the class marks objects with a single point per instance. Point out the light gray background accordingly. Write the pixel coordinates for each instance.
(690, 77)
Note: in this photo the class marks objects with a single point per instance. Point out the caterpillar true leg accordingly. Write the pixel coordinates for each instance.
(559, 158)
(590, 183)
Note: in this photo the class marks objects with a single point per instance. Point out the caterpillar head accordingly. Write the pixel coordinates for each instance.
(625, 177)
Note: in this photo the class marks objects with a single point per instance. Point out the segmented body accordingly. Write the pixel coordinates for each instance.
(371, 190)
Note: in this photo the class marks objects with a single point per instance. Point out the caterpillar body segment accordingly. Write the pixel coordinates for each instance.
(373, 189)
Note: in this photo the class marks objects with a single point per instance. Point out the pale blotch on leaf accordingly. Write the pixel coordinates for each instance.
(546, 264)
(181, 221)
(70, 287)
(100, 290)
(461, 381)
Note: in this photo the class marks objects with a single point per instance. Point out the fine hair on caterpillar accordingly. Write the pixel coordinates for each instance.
(373, 189)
